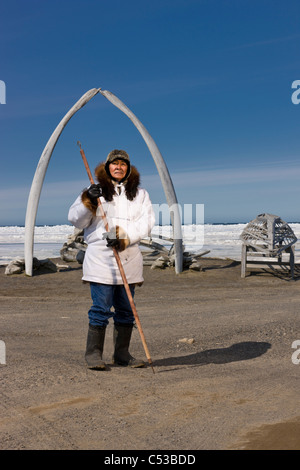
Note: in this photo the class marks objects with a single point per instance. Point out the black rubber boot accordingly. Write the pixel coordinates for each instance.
(121, 337)
(94, 347)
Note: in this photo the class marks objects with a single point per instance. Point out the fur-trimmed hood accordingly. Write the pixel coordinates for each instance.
(108, 188)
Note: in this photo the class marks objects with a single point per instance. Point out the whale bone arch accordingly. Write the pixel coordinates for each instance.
(39, 176)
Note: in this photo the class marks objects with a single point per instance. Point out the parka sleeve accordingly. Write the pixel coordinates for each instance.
(79, 215)
(141, 227)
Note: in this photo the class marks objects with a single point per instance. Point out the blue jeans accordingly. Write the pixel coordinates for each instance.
(104, 297)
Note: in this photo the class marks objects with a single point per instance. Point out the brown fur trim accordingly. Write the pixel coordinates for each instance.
(122, 237)
(88, 203)
(108, 189)
(132, 183)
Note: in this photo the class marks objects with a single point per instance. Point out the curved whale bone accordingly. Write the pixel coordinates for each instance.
(164, 176)
(39, 176)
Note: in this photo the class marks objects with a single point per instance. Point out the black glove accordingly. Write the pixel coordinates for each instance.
(111, 239)
(116, 238)
(94, 191)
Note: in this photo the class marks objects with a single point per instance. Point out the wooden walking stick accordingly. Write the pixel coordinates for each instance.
(119, 263)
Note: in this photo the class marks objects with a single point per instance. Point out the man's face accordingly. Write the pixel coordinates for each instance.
(118, 169)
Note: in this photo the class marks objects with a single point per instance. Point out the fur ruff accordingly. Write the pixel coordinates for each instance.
(108, 189)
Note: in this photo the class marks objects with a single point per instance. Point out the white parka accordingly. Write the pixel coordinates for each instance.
(135, 217)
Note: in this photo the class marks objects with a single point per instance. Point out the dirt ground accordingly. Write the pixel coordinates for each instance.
(236, 386)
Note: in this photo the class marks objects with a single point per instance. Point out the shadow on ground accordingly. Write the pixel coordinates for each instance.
(237, 352)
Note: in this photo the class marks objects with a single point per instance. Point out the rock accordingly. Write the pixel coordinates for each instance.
(68, 253)
(172, 260)
(17, 265)
(13, 269)
(195, 266)
(160, 263)
(63, 267)
(74, 248)
(186, 340)
(80, 256)
(36, 263)
(47, 264)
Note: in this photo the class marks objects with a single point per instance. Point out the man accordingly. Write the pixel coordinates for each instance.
(130, 218)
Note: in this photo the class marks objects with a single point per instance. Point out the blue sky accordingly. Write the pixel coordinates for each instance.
(211, 81)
